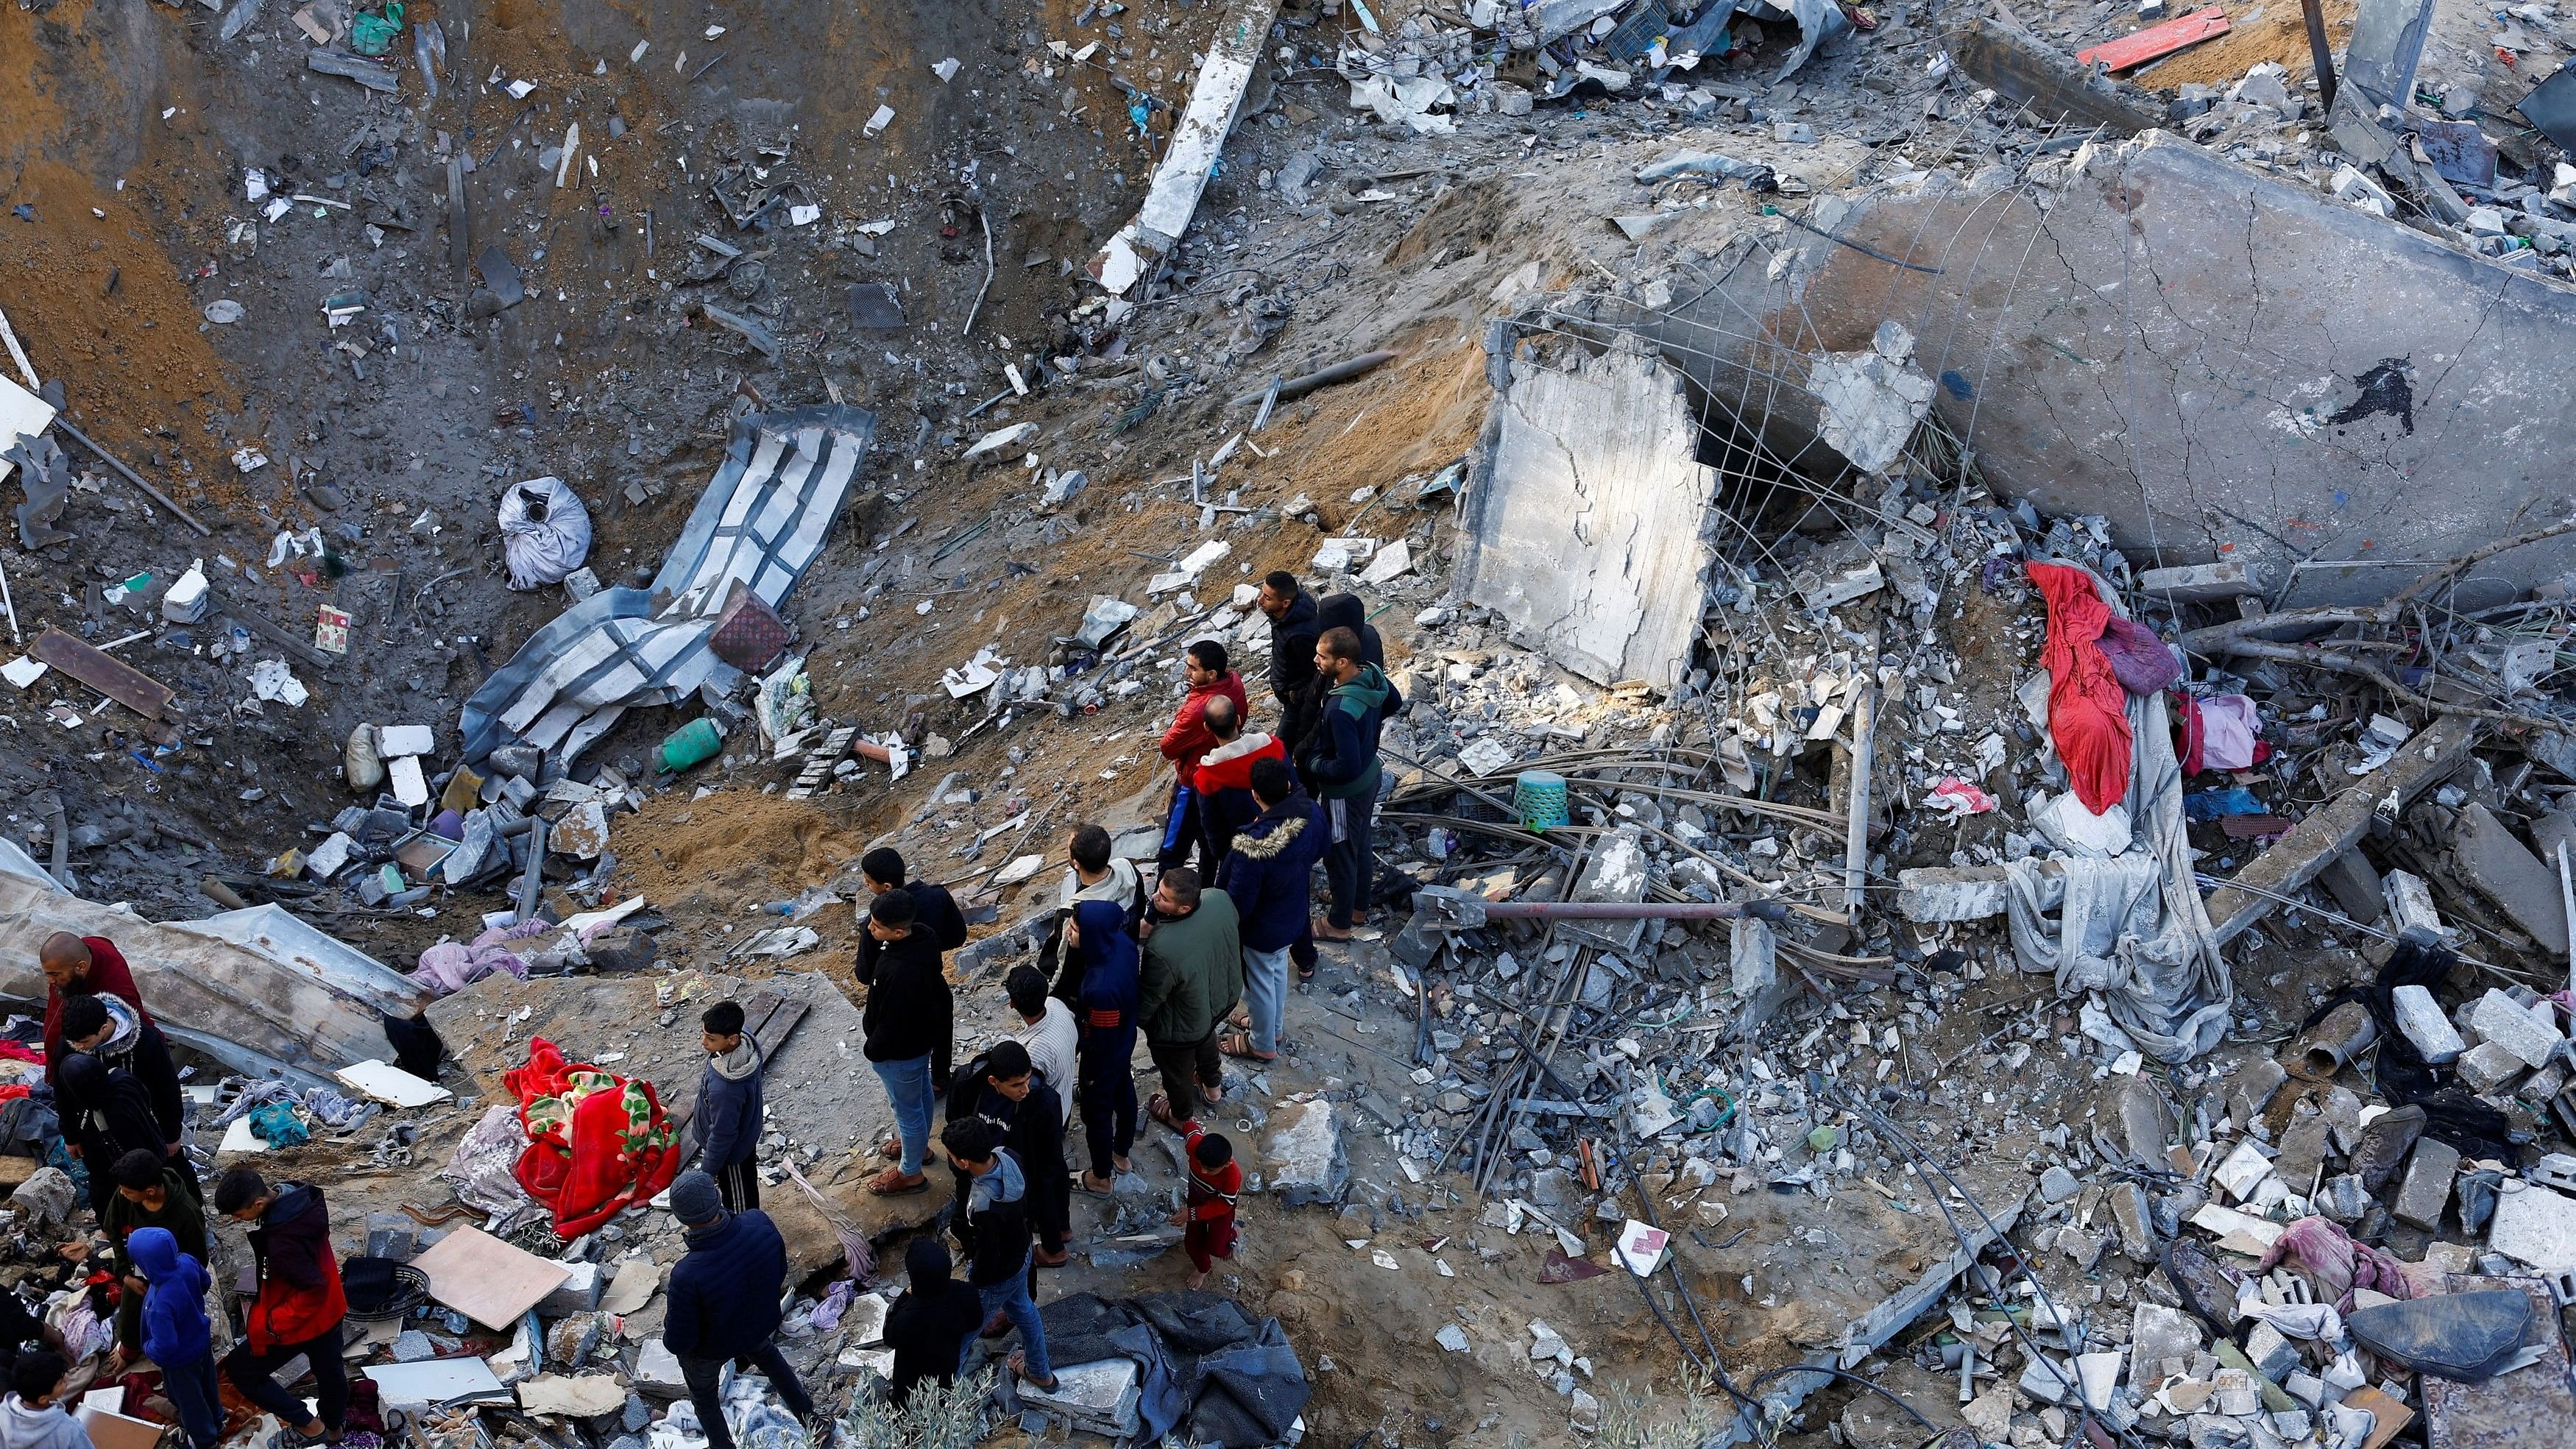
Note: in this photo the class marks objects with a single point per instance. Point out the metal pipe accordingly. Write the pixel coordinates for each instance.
(2345, 1033)
(1634, 910)
(2320, 49)
(77, 436)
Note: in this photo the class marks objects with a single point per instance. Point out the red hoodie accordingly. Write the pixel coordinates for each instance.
(1188, 738)
(1229, 766)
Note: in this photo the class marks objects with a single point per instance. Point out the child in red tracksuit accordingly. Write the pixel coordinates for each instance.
(1216, 1179)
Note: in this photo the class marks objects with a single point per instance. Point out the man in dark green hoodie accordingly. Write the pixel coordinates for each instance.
(1342, 765)
(149, 1194)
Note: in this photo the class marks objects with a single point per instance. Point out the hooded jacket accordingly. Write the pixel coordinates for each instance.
(299, 1275)
(723, 1298)
(174, 1299)
(910, 1010)
(930, 1323)
(181, 1215)
(1187, 739)
(1292, 654)
(995, 1227)
(108, 976)
(1193, 972)
(1224, 782)
(24, 1426)
(1341, 761)
(1108, 1000)
(1035, 1125)
(104, 1109)
(729, 1106)
(933, 910)
(1267, 874)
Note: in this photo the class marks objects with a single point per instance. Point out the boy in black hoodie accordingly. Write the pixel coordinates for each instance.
(931, 1324)
(995, 1229)
(1032, 1118)
(908, 1015)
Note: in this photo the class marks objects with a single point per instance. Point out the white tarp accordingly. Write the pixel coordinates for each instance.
(545, 532)
(1172, 197)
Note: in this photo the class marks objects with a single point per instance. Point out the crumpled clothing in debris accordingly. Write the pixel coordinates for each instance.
(756, 1421)
(2336, 1262)
(276, 1124)
(597, 1142)
(2132, 927)
(482, 1168)
(451, 966)
(2452, 1115)
(2086, 705)
(2218, 733)
(2143, 663)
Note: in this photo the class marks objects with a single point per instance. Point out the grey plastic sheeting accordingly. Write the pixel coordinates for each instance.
(762, 521)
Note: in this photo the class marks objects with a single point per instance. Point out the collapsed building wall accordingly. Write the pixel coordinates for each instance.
(2225, 364)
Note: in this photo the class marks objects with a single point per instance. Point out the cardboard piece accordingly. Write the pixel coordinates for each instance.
(117, 1431)
(389, 1083)
(239, 1138)
(633, 1287)
(487, 1279)
(578, 1398)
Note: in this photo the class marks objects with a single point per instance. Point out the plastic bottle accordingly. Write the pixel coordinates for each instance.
(693, 743)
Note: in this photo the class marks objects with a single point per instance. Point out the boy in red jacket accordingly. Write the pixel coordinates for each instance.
(299, 1307)
(1207, 1218)
(1204, 669)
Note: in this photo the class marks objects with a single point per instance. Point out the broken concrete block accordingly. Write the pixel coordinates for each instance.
(657, 1370)
(2157, 1334)
(1951, 893)
(2503, 869)
(2410, 904)
(394, 741)
(2421, 1021)
(2250, 1089)
(403, 773)
(2531, 1035)
(2426, 1189)
(2271, 1352)
(578, 1293)
(2488, 1067)
(1099, 1397)
(2098, 1376)
(2535, 1225)
(1303, 1157)
(2354, 883)
(2343, 1199)
(2057, 1185)
(2135, 1219)
(2201, 583)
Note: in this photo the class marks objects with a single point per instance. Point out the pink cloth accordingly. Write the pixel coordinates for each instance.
(2336, 1262)
(451, 966)
(2143, 663)
(2228, 725)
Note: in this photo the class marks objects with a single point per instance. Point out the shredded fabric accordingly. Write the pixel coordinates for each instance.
(2087, 708)
(2337, 1263)
(483, 1166)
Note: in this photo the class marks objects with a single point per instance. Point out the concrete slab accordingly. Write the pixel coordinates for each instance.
(2533, 1406)
(1587, 516)
(2502, 869)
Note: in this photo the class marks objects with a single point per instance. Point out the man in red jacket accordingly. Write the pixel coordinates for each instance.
(82, 966)
(299, 1307)
(1224, 777)
(1204, 669)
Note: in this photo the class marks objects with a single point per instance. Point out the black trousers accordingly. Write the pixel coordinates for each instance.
(705, 1376)
(739, 1184)
(250, 1373)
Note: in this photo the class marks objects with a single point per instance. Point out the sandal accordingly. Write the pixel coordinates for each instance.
(891, 1184)
(1159, 1107)
(1082, 1184)
(1019, 1366)
(1327, 931)
(1239, 1044)
(891, 1149)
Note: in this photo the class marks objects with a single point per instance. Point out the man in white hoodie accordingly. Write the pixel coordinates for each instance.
(29, 1417)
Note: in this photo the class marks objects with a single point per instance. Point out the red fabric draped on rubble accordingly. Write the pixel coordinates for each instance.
(2087, 709)
(597, 1142)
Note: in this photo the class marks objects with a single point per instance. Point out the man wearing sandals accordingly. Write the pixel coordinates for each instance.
(907, 1018)
(1266, 877)
(1193, 971)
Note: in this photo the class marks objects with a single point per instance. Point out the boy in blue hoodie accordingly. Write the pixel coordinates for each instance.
(175, 1335)
(1106, 957)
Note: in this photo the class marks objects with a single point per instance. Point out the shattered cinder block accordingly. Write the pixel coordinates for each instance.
(2426, 1189)
(2532, 1037)
(2487, 1067)
(1951, 893)
(2502, 869)
(2202, 583)
(2420, 1021)
(2250, 1090)
(2535, 1225)
(1303, 1157)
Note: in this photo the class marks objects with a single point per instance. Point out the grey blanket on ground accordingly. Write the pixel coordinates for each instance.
(2132, 927)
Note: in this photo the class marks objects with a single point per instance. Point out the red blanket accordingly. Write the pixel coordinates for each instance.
(2087, 709)
(597, 1142)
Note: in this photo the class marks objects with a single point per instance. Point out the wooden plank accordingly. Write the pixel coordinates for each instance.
(486, 1279)
(2156, 41)
(110, 676)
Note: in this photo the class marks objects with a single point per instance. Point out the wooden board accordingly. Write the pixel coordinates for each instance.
(486, 1279)
(105, 673)
(2156, 41)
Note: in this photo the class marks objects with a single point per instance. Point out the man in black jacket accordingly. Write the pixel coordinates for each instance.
(931, 1324)
(934, 910)
(1292, 649)
(1032, 1118)
(108, 1027)
(722, 1305)
(995, 1229)
(908, 1015)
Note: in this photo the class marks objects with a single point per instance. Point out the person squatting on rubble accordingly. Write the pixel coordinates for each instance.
(728, 1117)
(994, 1229)
(1206, 1216)
(1342, 766)
(1266, 877)
(171, 1287)
(931, 1325)
(909, 1014)
(148, 1196)
(1193, 975)
(723, 1304)
(29, 1417)
(1097, 943)
(1009, 1092)
(1224, 780)
(1209, 679)
(933, 909)
(1047, 1032)
(299, 1305)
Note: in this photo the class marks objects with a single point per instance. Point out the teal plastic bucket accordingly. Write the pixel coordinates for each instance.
(1538, 797)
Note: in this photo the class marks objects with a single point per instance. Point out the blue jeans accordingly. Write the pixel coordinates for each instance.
(191, 1390)
(907, 1086)
(1010, 1297)
(1265, 996)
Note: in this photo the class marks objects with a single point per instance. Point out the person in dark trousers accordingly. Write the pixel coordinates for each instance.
(1267, 876)
(909, 1013)
(932, 1323)
(723, 1303)
(111, 1029)
(1092, 873)
(995, 1230)
(728, 1116)
(171, 1287)
(1097, 940)
(1224, 779)
(1192, 975)
(1342, 766)
(104, 1115)
(299, 1308)
(148, 1195)
(1210, 679)
(1291, 611)
(1014, 1094)
(935, 910)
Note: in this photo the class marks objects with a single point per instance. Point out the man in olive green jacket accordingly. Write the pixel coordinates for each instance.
(1193, 975)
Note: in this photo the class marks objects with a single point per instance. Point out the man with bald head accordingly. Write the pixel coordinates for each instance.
(80, 966)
